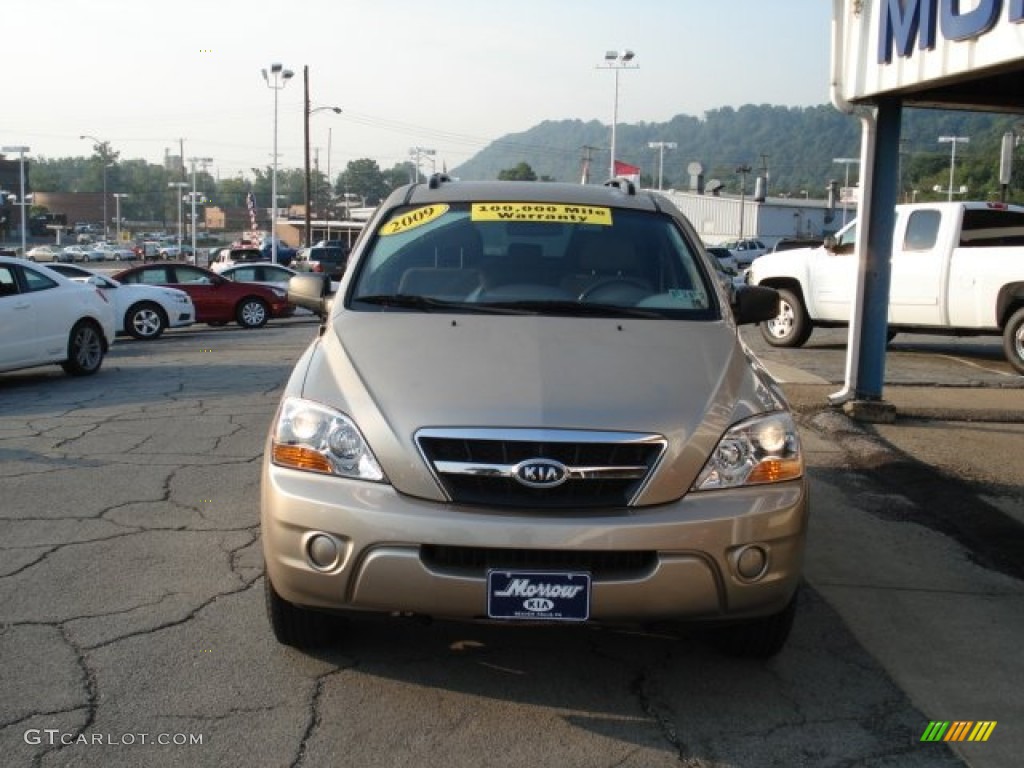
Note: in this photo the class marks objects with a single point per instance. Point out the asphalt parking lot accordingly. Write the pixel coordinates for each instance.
(131, 604)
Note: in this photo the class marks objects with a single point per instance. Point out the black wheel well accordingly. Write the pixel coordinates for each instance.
(1011, 298)
(787, 283)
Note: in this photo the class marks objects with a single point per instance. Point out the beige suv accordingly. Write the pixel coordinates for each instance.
(529, 403)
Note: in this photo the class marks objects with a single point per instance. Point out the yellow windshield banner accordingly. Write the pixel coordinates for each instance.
(417, 217)
(543, 212)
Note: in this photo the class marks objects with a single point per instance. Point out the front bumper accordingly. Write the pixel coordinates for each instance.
(387, 544)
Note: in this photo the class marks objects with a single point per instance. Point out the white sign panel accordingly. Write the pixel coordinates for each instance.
(886, 46)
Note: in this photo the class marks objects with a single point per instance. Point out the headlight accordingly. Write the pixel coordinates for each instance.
(764, 449)
(279, 293)
(315, 438)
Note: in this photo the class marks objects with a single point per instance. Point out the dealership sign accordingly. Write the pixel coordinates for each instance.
(888, 46)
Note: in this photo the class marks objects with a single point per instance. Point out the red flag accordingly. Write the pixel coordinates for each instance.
(628, 171)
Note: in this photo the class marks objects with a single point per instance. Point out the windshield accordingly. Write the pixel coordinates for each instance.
(533, 258)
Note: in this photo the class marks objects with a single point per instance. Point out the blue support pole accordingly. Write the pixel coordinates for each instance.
(876, 272)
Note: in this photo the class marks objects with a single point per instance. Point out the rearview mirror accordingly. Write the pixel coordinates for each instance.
(311, 291)
(755, 304)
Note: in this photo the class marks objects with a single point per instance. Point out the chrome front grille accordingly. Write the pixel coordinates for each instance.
(489, 467)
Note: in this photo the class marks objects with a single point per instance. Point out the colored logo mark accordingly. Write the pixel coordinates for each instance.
(959, 730)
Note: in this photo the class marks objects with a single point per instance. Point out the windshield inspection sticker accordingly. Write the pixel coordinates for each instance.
(417, 217)
(547, 212)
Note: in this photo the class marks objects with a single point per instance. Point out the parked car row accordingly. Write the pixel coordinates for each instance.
(82, 253)
(66, 314)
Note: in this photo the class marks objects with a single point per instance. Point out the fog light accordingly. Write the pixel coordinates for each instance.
(751, 562)
(322, 551)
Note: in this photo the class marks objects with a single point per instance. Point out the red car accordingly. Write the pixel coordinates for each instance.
(217, 300)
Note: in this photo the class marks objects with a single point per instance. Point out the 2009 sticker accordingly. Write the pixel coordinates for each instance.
(417, 217)
(544, 212)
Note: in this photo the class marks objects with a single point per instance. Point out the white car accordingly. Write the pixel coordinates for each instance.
(116, 252)
(45, 318)
(141, 311)
(74, 253)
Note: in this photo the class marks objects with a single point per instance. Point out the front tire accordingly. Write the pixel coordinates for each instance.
(86, 349)
(1013, 340)
(791, 327)
(758, 638)
(292, 625)
(252, 313)
(145, 321)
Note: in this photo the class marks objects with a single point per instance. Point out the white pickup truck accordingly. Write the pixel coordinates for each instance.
(957, 269)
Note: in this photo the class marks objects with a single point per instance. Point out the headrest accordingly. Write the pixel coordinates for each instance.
(608, 253)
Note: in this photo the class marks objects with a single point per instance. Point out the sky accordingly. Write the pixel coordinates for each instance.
(152, 77)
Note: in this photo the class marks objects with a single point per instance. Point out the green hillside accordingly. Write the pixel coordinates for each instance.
(794, 146)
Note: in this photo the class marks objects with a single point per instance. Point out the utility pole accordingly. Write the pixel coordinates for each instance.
(765, 173)
(742, 170)
(587, 157)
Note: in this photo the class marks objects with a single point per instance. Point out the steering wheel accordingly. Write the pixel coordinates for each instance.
(617, 288)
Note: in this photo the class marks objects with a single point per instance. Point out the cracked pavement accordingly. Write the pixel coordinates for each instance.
(131, 607)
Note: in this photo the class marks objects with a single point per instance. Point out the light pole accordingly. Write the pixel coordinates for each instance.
(308, 235)
(743, 170)
(117, 211)
(193, 160)
(21, 192)
(954, 140)
(104, 156)
(617, 61)
(178, 185)
(416, 153)
(661, 146)
(276, 80)
(846, 161)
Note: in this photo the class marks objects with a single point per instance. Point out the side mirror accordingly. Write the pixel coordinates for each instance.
(830, 243)
(311, 291)
(755, 304)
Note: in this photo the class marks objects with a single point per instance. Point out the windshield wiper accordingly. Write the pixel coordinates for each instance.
(575, 308)
(428, 304)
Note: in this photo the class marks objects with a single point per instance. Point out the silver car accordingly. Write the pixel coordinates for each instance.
(529, 403)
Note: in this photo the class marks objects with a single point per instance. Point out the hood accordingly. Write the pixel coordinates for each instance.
(396, 372)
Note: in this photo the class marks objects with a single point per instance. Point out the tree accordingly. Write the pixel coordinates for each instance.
(522, 172)
(363, 178)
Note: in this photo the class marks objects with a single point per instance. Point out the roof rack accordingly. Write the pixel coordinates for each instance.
(623, 185)
(437, 179)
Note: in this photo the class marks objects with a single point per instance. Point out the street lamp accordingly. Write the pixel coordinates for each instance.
(416, 153)
(617, 61)
(117, 211)
(954, 140)
(661, 146)
(205, 162)
(308, 235)
(846, 161)
(21, 193)
(276, 80)
(178, 185)
(103, 156)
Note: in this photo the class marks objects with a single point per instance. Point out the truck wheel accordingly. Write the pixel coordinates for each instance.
(1013, 340)
(791, 327)
(295, 626)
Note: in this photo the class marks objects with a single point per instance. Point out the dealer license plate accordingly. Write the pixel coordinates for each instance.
(538, 595)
